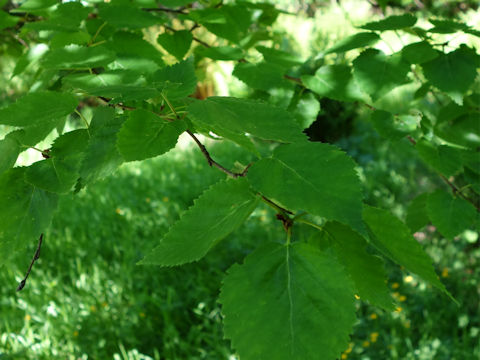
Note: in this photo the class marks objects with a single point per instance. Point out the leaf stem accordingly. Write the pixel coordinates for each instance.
(84, 120)
(318, 227)
(36, 256)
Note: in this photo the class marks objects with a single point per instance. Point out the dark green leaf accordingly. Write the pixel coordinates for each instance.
(462, 131)
(377, 73)
(453, 73)
(25, 212)
(335, 82)
(232, 118)
(314, 177)
(181, 78)
(393, 238)
(278, 57)
(6, 20)
(419, 52)
(215, 214)
(442, 158)
(220, 52)
(177, 43)
(9, 150)
(394, 22)
(44, 107)
(450, 215)
(77, 57)
(263, 76)
(366, 270)
(393, 127)
(417, 216)
(145, 135)
(283, 303)
(355, 41)
(125, 16)
(134, 53)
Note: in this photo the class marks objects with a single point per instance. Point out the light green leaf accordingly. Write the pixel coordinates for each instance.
(417, 216)
(62, 39)
(393, 238)
(77, 57)
(101, 156)
(355, 41)
(220, 52)
(279, 57)
(335, 82)
(39, 108)
(419, 52)
(9, 150)
(215, 214)
(393, 127)
(462, 130)
(366, 270)
(130, 17)
(65, 17)
(181, 78)
(34, 6)
(262, 76)
(145, 135)
(177, 43)
(59, 173)
(25, 212)
(450, 215)
(288, 303)
(232, 118)
(453, 73)
(7, 21)
(442, 158)
(314, 177)
(377, 73)
(306, 109)
(394, 22)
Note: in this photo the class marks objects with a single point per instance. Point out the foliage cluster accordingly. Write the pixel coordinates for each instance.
(95, 67)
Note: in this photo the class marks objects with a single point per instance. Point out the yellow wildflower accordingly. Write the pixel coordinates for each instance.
(407, 324)
(28, 317)
(408, 279)
(75, 333)
(165, 199)
(398, 309)
(395, 285)
(357, 297)
(373, 337)
(445, 272)
(344, 356)
(93, 308)
(373, 316)
(142, 314)
(366, 344)
(402, 298)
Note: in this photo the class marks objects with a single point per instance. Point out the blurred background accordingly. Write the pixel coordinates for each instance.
(86, 298)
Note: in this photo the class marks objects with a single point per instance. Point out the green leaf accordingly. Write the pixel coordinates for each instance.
(177, 43)
(417, 216)
(60, 172)
(453, 73)
(145, 135)
(355, 41)
(335, 82)
(180, 76)
(130, 17)
(366, 270)
(232, 118)
(62, 39)
(77, 57)
(306, 109)
(394, 22)
(280, 58)
(133, 52)
(419, 52)
(220, 52)
(377, 73)
(25, 212)
(9, 150)
(101, 156)
(39, 108)
(394, 240)
(462, 130)
(451, 215)
(314, 177)
(288, 303)
(65, 17)
(393, 127)
(7, 20)
(216, 213)
(442, 158)
(34, 6)
(450, 27)
(262, 76)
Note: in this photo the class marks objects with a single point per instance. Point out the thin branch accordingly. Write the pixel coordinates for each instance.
(457, 191)
(213, 163)
(119, 105)
(180, 10)
(294, 79)
(36, 256)
(194, 38)
(276, 206)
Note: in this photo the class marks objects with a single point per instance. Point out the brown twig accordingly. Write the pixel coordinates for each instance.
(180, 10)
(457, 191)
(36, 256)
(213, 163)
(119, 105)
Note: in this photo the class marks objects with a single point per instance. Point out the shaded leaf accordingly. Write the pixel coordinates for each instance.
(366, 270)
(354, 41)
(417, 216)
(263, 76)
(220, 52)
(181, 78)
(314, 177)
(393, 238)
(33, 109)
(393, 127)
(77, 57)
(9, 150)
(177, 43)
(145, 135)
(215, 214)
(25, 212)
(282, 301)
(394, 22)
(451, 215)
(419, 52)
(377, 73)
(125, 16)
(278, 57)
(453, 73)
(442, 158)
